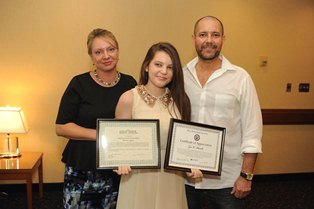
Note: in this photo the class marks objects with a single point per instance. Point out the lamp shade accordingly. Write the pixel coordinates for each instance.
(12, 120)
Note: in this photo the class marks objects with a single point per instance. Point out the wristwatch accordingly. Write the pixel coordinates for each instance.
(247, 176)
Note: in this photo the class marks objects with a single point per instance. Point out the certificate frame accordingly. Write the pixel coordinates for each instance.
(194, 145)
(133, 142)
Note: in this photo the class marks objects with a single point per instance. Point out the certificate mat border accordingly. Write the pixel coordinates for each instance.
(185, 167)
(153, 123)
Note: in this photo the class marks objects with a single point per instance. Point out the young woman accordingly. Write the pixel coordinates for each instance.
(160, 95)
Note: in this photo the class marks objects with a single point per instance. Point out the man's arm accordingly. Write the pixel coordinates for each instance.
(242, 187)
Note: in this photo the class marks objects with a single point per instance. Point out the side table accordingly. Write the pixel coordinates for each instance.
(23, 168)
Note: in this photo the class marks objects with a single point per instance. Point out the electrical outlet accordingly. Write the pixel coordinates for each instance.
(304, 87)
(263, 61)
(289, 87)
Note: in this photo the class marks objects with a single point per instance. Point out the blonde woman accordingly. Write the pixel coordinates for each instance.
(89, 96)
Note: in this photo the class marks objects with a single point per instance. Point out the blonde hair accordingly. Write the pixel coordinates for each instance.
(98, 32)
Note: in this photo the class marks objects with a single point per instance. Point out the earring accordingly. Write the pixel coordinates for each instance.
(146, 69)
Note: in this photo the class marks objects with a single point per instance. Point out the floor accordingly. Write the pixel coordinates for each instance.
(269, 192)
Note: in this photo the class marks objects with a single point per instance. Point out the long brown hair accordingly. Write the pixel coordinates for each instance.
(176, 86)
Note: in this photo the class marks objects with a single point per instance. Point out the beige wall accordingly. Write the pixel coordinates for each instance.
(42, 46)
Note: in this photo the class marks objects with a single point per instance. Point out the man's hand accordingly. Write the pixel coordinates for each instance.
(242, 188)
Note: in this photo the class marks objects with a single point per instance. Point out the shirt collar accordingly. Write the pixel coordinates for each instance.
(226, 65)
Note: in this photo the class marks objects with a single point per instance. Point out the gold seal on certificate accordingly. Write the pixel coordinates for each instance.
(194, 145)
(127, 142)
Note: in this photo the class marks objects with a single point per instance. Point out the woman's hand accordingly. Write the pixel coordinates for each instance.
(76, 132)
(123, 170)
(195, 173)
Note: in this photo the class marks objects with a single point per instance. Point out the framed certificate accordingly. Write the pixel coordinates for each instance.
(195, 145)
(127, 142)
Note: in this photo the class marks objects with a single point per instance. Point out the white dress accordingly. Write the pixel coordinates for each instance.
(152, 189)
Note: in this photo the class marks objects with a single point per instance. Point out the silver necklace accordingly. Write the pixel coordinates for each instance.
(110, 84)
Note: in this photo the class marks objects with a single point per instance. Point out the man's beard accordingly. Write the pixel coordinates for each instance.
(208, 58)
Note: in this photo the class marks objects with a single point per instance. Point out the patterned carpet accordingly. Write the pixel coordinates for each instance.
(269, 192)
(283, 192)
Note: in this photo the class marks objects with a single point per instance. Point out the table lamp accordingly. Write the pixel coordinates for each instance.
(12, 121)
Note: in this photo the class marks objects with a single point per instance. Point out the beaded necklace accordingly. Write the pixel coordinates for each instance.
(109, 84)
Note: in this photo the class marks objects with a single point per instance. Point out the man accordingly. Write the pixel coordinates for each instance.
(224, 95)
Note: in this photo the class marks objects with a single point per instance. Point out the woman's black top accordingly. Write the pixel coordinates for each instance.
(83, 102)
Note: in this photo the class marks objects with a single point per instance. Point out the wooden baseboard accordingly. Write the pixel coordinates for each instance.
(288, 116)
(283, 177)
(22, 187)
